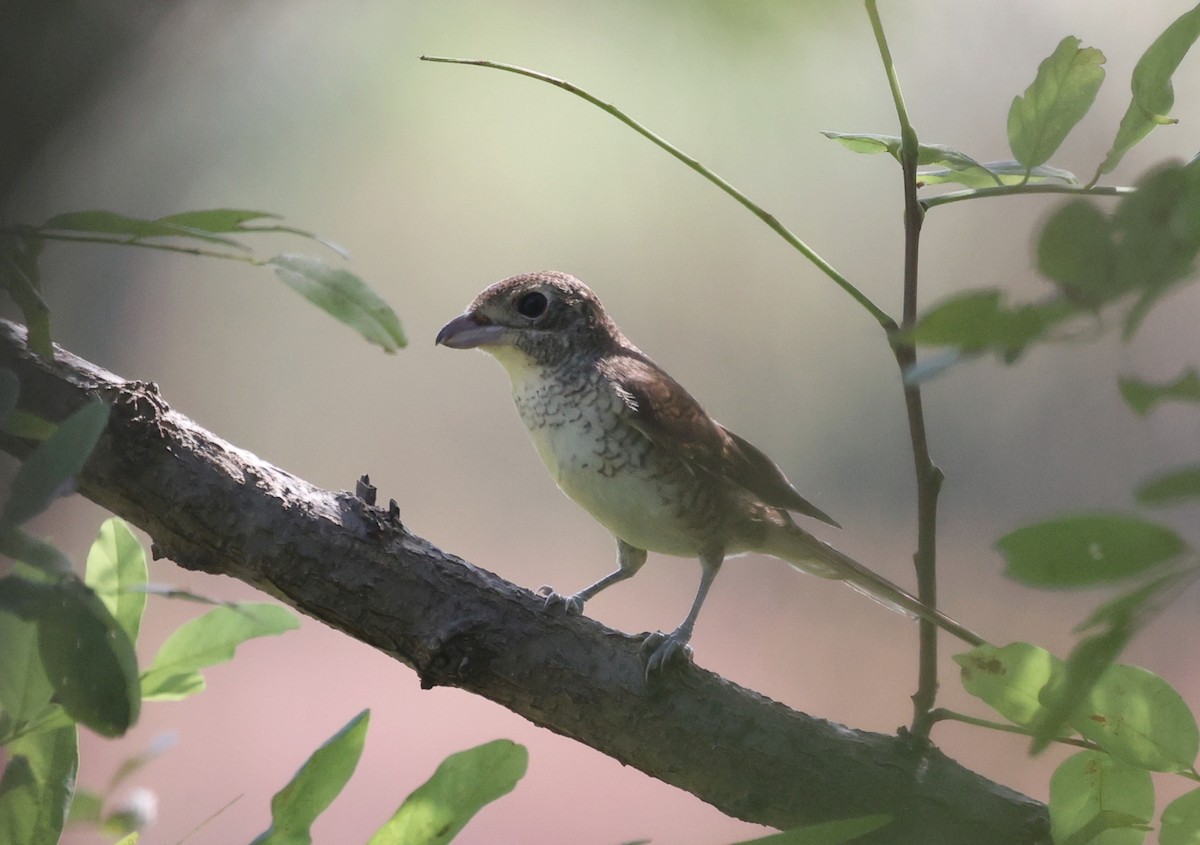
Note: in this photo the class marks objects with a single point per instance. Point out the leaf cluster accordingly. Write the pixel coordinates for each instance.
(209, 232)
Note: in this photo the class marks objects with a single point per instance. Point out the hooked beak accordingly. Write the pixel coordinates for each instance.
(467, 331)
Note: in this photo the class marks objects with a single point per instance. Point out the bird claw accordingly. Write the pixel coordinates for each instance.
(571, 605)
(662, 649)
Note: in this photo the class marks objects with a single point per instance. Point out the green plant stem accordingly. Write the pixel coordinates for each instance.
(941, 714)
(1011, 190)
(772, 222)
(928, 476)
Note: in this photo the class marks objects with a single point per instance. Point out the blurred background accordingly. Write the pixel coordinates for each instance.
(442, 179)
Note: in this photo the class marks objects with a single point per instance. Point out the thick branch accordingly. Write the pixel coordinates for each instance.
(212, 507)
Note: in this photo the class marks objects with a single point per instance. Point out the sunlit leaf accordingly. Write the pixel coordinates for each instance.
(1092, 785)
(1056, 100)
(998, 173)
(344, 296)
(89, 660)
(462, 785)
(1153, 94)
(825, 833)
(116, 570)
(86, 807)
(207, 641)
(1142, 396)
(1067, 691)
(54, 462)
(313, 788)
(1009, 679)
(35, 792)
(1086, 550)
(1181, 821)
(1139, 718)
(952, 160)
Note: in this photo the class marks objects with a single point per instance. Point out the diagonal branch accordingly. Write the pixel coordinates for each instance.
(212, 507)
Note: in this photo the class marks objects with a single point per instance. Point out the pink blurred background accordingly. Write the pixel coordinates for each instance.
(442, 179)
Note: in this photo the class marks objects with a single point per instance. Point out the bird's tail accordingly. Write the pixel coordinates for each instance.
(808, 554)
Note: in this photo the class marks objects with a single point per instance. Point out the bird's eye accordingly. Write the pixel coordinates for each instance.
(532, 305)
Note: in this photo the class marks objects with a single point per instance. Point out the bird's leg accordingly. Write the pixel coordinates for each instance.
(663, 648)
(629, 561)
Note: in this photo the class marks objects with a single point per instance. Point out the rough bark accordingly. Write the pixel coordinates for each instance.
(210, 506)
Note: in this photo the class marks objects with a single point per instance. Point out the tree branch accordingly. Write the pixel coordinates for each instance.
(212, 507)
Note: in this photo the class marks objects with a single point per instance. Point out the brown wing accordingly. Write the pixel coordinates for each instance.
(665, 412)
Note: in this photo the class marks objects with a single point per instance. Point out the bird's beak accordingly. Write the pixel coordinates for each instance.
(469, 330)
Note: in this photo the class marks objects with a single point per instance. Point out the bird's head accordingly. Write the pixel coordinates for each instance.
(544, 319)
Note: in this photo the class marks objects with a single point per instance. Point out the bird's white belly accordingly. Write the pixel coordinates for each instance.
(626, 502)
(589, 462)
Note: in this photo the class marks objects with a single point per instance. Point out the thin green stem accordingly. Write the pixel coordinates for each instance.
(1011, 190)
(943, 715)
(928, 476)
(804, 249)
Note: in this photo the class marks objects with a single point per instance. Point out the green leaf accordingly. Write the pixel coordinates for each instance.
(295, 807)
(1158, 229)
(35, 792)
(1059, 97)
(1181, 821)
(131, 228)
(1170, 488)
(1140, 719)
(825, 833)
(996, 173)
(1142, 396)
(1064, 695)
(30, 426)
(10, 391)
(1138, 606)
(20, 276)
(24, 688)
(1076, 249)
(89, 660)
(207, 641)
(1153, 94)
(1009, 679)
(462, 785)
(86, 807)
(23, 546)
(868, 143)
(54, 462)
(116, 570)
(978, 321)
(344, 296)
(957, 166)
(1086, 550)
(1091, 783)
(216, 220)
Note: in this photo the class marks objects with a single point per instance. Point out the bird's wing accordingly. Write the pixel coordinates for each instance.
(661, 409)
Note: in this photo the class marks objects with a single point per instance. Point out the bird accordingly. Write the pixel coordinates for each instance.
(629, 444)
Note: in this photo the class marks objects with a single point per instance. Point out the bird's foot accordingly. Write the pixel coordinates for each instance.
(552, 600)
(662, 649)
